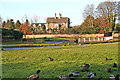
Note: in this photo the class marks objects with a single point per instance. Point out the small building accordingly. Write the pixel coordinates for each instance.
(58, 22)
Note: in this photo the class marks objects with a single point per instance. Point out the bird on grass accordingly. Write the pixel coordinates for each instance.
(91, 75)
(105, 58)
(65, 77)
(114, 77)
(108, 69)
(85, 68)
(114, 65)
(50, 59)
(87, 65)
(34, 76)
(100, 78)
(74, 74)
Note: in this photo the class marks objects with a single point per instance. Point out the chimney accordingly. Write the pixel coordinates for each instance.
(55, 15)
(60, 15)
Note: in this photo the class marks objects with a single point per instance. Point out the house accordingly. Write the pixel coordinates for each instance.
(38, 27)
(58, 22)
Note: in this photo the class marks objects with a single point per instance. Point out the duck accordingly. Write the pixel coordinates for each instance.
(65, 77)
(114, 77)
(85, 68)
(91, 75)
(74, 74)
(108, 69)
(114, 65)
(100, 78)
(34, 76)
(117, 76)
(87, 65)
(105, 58)
(50, 59)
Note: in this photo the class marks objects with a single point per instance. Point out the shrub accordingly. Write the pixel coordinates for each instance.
(101, 31)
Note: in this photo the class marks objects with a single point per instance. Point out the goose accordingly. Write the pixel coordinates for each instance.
(108, 69)
(91, 75)
(34, 76)
(114, 65)
(65, 77)
(50, 59)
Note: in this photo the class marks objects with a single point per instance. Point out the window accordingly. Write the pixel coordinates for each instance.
(51, 24)
(57, 26)
(63, 24)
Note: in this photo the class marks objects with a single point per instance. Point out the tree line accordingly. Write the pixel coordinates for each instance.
(101, 19)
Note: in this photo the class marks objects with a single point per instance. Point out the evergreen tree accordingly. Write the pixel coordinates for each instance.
(11, 24)
(3, 24)
(17, 24)
(44, 29)
(7, 24)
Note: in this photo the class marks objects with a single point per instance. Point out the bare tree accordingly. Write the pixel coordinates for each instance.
(24, 18)
(89, 11)
(108, 11)
(36, 19)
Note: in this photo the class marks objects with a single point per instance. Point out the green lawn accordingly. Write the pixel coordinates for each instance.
(22, 63)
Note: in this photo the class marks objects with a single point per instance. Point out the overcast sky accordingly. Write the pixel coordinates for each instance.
(16, 9)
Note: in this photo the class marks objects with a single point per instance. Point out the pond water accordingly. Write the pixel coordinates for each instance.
(47, 46)
(19, 48)
(53, 42)
(31, 47)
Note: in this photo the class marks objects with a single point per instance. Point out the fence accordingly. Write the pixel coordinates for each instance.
(93, 39)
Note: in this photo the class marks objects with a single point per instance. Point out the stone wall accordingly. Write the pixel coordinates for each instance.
(63, 35)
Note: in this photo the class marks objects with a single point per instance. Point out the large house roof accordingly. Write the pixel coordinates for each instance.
(57, 20)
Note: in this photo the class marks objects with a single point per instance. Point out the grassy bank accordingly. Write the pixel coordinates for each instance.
(22, 63)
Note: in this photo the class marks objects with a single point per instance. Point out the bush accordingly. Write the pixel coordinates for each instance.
(11, 34)
(101, 31)
(109, 33)
(115, 32)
